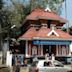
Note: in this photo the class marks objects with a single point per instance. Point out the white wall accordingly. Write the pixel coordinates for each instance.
(9, 59)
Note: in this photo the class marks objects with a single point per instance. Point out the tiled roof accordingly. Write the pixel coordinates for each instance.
(29, 34)
(41, 14)
(43, 34)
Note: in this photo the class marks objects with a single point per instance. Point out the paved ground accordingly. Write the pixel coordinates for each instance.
(4, 68)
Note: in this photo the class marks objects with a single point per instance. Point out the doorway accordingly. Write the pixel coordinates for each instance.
(51, 49)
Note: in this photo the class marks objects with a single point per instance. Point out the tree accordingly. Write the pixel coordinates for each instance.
(1, 4)
(64, 29)
(15, 15)
(70, 30)
(54, 5)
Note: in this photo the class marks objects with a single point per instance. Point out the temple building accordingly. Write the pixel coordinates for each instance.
(44, 35)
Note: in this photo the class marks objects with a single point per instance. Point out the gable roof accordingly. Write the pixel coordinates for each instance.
(53, 32)
(42, 34)
(42, 14)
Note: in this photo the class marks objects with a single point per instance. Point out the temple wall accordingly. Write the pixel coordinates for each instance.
(61, 50)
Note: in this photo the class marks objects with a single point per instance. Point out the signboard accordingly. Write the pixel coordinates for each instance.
(41, 42)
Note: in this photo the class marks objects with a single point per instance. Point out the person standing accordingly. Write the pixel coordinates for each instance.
(17, 68)
(18, 65)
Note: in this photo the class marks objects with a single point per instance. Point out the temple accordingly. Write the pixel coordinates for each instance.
(44, 35)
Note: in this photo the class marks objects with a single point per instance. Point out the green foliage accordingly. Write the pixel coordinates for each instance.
(16, 14)
(70, 28)
(5, 24)
(63, 29)
(54, 5)
(1, 4)
(4, 20)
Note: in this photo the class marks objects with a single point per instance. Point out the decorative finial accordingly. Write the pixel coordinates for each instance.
(47, 9)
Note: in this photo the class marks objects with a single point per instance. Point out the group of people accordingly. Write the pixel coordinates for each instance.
(49, 57)
(17, 63)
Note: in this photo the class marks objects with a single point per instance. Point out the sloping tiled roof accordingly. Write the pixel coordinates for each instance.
(41, 14)
(43, 34)
(29, 34)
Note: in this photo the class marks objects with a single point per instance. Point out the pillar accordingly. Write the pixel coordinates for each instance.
(67, 49)
(49, 48)
(34, 50)
(59, 50)
(41, 50)
(29, 49)
(56, 50)
(26, 50)
(70, 48)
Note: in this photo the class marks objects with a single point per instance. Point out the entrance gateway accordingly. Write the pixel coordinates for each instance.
(50, 45)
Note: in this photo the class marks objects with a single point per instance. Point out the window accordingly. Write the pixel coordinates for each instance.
(48, 64)
(58, 64)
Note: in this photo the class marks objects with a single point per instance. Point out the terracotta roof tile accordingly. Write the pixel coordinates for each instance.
(62, 35)
(29, 34)
(41, 14)
(42, 33)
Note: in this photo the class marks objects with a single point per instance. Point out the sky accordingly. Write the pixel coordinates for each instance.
(69, 12)
(68, 8)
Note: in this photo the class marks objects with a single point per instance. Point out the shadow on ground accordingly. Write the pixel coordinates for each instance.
(4, 69)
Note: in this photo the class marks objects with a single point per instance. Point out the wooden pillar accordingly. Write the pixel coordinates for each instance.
(56, 50)
(41, 50)
(49, 48)
(67, 49)
(63, 51)
(29, 50)
(34, 50)
(26, 49)
(59, 50)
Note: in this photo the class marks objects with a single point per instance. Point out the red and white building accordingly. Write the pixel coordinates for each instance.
(44, 34)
